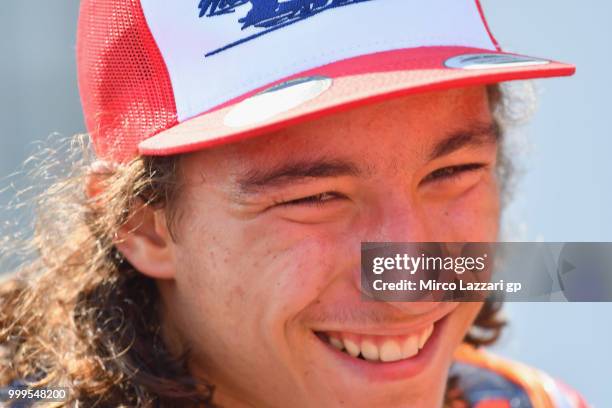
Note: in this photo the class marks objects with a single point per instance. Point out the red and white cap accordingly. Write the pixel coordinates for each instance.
(161, 77)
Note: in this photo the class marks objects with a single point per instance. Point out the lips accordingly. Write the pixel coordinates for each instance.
(378, 348)
(374, 354)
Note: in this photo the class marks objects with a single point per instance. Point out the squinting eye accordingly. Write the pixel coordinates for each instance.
(451, 172)
(317, 199)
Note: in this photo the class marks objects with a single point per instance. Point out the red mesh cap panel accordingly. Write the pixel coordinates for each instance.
(123, 81)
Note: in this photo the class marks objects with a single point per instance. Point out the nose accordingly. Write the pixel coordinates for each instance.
(396, 217)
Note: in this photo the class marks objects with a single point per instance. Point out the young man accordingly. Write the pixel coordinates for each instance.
(213, 258)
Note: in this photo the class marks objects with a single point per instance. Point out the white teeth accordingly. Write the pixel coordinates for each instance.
(425, 336)
(390, 351)
(369, 351)
(351, 347)
(336, 343)
(410, 348)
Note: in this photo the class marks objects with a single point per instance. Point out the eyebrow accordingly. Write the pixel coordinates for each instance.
(291, 172)
(477, 135)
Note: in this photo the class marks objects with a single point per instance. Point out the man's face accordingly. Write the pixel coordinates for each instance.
(267, 255)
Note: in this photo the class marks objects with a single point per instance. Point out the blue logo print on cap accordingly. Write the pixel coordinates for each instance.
(268, 15)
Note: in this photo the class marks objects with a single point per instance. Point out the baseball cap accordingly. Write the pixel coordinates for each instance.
(160, 78)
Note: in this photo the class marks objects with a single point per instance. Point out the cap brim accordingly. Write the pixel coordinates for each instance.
(355, 82)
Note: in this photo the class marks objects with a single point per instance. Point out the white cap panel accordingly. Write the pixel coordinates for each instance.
(230, 47)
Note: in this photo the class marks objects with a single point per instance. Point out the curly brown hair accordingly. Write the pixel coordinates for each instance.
(76, 314)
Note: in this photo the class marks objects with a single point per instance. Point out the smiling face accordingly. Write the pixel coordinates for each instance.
(263, 280)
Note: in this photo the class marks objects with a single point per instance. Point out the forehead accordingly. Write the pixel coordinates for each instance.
(409, 124)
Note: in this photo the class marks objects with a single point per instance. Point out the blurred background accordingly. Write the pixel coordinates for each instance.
(564, 191)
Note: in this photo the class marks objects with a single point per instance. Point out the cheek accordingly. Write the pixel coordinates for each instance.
(459, 324)
(290, 265)
(465, 315)
(472, 217)
(257, 276)
(248, 284)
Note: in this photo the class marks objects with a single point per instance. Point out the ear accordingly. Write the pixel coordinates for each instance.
(146, 243)
(144, 240)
